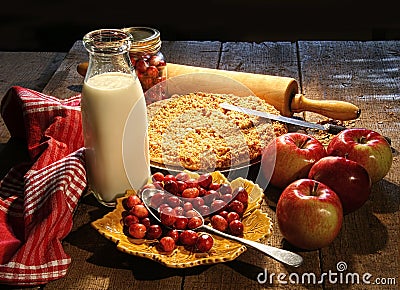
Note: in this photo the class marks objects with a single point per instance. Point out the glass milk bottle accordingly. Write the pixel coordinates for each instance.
(111, 96)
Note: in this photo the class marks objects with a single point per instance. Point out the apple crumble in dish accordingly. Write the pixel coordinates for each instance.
(192, 131)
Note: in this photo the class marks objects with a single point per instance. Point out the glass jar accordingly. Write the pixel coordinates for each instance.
(146, 56)
(112, 101)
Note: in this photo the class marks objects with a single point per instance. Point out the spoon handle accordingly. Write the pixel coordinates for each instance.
(284, 256)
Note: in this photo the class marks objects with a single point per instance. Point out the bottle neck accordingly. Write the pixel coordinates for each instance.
(108, 52)
(107, 41)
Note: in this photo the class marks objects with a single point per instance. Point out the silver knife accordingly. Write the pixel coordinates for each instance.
(333, 129)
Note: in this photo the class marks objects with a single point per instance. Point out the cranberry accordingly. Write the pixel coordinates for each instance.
(157, 199)
(194, 222)
(227, 197)
(181, 186)
(154, 232)
(137, 231)
(202, 191)
(181, 223)
(188, 238)
(191, 182)
(225, 188)
(236, 227)
(173, 201)
(167, 244)
(141, 66)
(148, 185)
(214, 186)
(146, 222)
(130, 219)
(158, 184)
(210, 196)
(231, 216)
(154, 60)
(204, 210)
(173, 234)
(191, 213)
(169, 177)
(171, 186)
(182, 176)
(187, 206)
(219, 223)
(133, 200)
(204, 243)
(237, 206)
(179, 210)
(197, 202)
(190, 192)
(140, 211)
(162, 206)
(167, 216)
(158, 176)
(224, 214)
(204, 180)
(152, 71)
(217, 205)
(241, 195)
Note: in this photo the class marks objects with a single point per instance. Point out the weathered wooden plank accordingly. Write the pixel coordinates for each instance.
(367, 74)
(66, 82)
(195, 53)
(270, 58)
(27, 69)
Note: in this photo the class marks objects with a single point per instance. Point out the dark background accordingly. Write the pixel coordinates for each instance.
(55, 25)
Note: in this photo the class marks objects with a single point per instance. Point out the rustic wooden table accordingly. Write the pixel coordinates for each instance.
(364, 73)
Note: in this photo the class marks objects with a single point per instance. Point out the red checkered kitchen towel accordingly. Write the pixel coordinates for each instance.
(37, 199)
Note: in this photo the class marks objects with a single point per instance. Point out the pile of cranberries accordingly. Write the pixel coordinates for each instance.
(150, 69)
(179, 202)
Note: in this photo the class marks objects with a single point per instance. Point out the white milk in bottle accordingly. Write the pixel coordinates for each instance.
(108, 100)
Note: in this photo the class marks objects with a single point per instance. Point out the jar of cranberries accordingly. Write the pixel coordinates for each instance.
(146, 56)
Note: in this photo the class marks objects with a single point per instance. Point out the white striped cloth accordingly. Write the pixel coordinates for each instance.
(38, 198)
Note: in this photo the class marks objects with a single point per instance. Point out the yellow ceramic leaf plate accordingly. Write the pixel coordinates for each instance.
(257, 226)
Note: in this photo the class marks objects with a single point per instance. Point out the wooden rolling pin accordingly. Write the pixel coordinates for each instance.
(281, 92)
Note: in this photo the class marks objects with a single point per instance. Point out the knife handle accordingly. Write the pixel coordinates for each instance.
(334, 129)
(338, 110)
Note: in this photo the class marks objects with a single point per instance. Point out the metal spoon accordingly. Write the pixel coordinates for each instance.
(284, 256)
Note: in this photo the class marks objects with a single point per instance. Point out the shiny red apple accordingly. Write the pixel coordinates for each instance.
(309, 214)
(289, 157)
(366, 147)
(348, 179)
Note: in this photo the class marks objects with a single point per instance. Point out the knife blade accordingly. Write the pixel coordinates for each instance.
(330, 128)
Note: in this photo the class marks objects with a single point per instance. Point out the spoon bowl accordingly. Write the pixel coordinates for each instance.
(281, 255)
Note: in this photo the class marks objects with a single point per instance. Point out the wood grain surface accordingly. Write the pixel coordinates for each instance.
(364, 73)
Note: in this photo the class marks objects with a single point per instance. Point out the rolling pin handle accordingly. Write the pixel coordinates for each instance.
(82, 68)
(338, 110)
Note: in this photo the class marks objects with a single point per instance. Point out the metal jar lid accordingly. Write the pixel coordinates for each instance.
(145, 39)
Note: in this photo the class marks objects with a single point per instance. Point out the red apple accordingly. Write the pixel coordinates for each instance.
(309, 214)
(348, 179)
(289, 157)
(366, 147)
